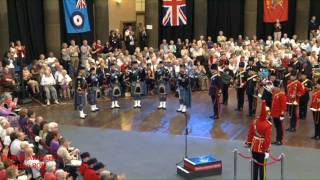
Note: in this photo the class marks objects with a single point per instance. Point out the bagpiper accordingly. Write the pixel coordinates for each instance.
(93, 86)
(215, 90)
(137, 74)
(240, 84)
(259, 141)
(115, 80)
(295, 90)
(315, 108)
(81, 91)
(162, 77)
(278, 110)
(304, 98)
(184, 89)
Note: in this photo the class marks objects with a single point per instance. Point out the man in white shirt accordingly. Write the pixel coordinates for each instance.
(316, 48)
(285, 39)
(15, 146)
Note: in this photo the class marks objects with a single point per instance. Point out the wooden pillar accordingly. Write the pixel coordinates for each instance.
(52, 26)
(152, 18)
(250, 17)
(101, 20)
(4, 28)
(200, 18)
(302, 18)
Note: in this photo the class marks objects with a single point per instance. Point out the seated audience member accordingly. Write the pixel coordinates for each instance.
(50, 61)
(33, 163)
(9, 102)
(7, 81)
(15, 146)
(12, 173)
(50, 171)
(23, 120)
(36, 127)
(54, 145)
(27, 77)
(63, 151)
(64, 82)
(90, 173)
(3, 172)
(53, 128)
(61, 174)
(48, 82)
(84, 164)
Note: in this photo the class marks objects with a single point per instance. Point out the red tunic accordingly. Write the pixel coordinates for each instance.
(295, 89)
(279, 105)
(315, 101)
(259, 136)
(84, 166)
(90, 174)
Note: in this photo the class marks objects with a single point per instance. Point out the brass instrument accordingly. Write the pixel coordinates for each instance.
(240, 79)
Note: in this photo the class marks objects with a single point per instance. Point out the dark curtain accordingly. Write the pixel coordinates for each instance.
(226, 16)
(26, 24)
(314, 10)
(89, 36)
(173, 33)
(266, 29)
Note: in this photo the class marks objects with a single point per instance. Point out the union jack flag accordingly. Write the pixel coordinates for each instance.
(174, 12)
(81, 4)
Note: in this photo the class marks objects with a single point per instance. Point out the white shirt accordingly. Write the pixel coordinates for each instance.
(15, 147)
(35, 165)
(64, 79)
(50, 60)
(285, 40)
(47, 80)
(7, 141)
(316, 49)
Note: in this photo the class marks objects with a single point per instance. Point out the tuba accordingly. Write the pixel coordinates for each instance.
(162, 87)
(116, 92)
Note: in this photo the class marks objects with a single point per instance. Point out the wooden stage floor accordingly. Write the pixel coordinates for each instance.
(232, 125)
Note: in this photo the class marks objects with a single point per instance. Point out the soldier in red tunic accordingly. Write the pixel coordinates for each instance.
(295, 90)
(259, 139)
(278, 110)
(315, 108)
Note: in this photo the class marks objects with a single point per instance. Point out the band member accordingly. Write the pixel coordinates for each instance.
(137, 74)
(240, 82)
(215, 90)
(93, 86)
(116, 78)
(162, 76)
(184, 89)
(304, 99)
(81, 91)
(259, 140)
(250, 90)
(295, 90)
(227, 79)
(315, 108)
(279, 106)
(267, 84)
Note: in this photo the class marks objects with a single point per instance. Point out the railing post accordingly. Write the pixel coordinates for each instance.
(251, 169)
(282, 166)
(235, 156)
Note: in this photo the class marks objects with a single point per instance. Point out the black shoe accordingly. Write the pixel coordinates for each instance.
(216, 117)
(314, 137)
(211, 117)
(293, 130)
(288, 129)
(278, 143)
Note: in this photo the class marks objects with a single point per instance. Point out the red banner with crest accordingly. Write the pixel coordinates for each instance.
(275, 9)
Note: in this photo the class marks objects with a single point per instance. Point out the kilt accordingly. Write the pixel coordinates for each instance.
(185, 96)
